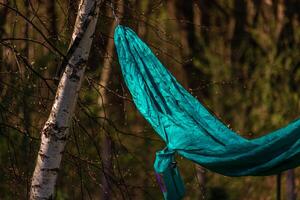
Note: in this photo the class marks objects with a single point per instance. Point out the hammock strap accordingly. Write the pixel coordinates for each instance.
(167, 175)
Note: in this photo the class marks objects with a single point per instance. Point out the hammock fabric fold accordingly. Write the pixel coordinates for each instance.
(189, 129)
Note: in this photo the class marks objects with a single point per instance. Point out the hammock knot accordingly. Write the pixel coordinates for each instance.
(164, 159)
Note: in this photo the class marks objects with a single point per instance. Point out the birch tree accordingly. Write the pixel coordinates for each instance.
(54, 134)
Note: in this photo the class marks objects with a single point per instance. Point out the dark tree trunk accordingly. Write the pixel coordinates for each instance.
(184, 15)
(239, 34)
(109, 110)
(205, 9)
(290, 185)
(3, 65)
(189, 47)
(202, 179)
(278, 186)
(25, 82)
(3, 16)
(287, 35)
(52, 27)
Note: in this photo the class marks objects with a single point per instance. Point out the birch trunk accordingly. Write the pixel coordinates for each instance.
(54, 135)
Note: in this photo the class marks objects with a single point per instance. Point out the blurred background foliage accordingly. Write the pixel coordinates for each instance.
(240, 58)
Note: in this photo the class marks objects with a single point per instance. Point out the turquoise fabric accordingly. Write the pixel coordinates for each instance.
(169, 179)
(189, 129)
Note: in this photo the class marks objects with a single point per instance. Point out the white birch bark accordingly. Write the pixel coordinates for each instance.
(54, 134)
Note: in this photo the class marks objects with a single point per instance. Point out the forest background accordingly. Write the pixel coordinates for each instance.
(241, 58)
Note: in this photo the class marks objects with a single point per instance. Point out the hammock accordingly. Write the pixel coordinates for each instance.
(189, 129)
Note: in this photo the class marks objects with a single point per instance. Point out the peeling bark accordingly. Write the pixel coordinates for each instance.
(56, 130)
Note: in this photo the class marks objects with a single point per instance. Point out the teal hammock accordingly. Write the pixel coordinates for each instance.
(190, 130)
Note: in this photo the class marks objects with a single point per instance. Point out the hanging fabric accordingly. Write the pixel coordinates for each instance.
(189, 129)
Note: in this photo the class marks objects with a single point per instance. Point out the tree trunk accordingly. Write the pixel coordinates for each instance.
(103, 101)
(205, 11)
(54, 135)
(278, 186)
(51, 11)
(239, 34)
(290, 185)
(26, 146)
(184, 16)
(201, 176)
(106, 153)
(3, 17)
